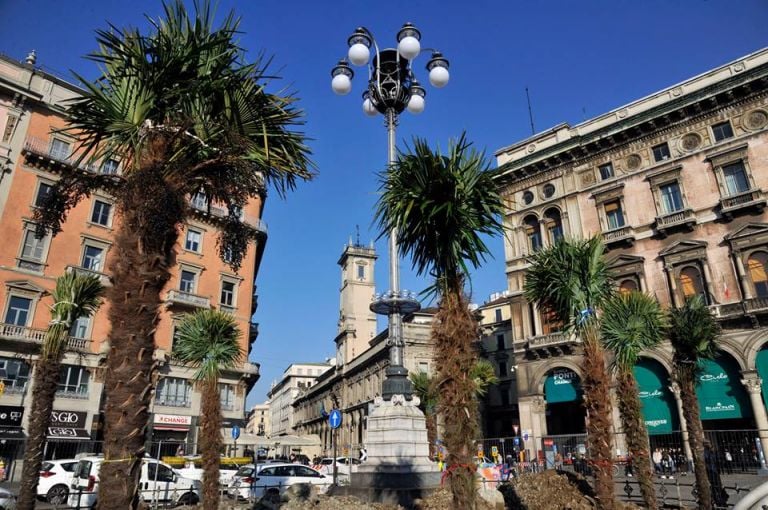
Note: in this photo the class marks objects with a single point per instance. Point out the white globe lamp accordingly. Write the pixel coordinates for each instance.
(415, 104)
(408, 44)
(438, 77)
(341, 84)
(368, 108)
(359, 54)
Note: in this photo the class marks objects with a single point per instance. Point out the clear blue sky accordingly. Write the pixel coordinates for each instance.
(579, 59)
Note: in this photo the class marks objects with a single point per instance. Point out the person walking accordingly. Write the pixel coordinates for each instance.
(728, 462)
(657, 461)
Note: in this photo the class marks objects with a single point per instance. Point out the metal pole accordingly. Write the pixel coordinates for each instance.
(395, 321)
(335, 472)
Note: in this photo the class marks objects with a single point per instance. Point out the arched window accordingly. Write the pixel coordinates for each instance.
(757, 264)
(692, 283)
(532, 232)
(627, 286)
(554, 225)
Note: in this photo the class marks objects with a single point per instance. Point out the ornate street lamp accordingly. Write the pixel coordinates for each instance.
(392, 88)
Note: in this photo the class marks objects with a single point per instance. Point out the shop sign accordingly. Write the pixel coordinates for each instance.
(73, 419)
(656, 400)
(562, 385)
(720, 392)
(172, 422)
(10, 416)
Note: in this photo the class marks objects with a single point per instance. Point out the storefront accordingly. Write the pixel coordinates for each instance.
(67, 435)
(656, 399)
(761, 363)
(170, 435)
(723, 400)
(11, 441)
(565, 411)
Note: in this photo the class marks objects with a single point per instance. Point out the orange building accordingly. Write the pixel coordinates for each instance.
(32, 157)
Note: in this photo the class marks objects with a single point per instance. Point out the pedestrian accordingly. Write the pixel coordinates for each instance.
(180, 450)
(728, 462)
(719, 496)
(629, 469)
(656, 461)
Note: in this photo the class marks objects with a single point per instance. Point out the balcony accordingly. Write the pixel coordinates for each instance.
(73, 394)
(180, 298)
(217, 212)
(622, 235)
(678, 219)
(553, 344)
(36, 336)
(227, 406)
(173, 402)
(750, 199)
(42, 151)
(253, 331)
(103, 277)
(249, 368)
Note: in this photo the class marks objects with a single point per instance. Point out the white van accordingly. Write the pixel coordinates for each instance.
(158, 482)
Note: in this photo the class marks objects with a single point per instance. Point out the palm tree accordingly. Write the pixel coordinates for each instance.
(185, 114)
(484, 375)
(208, 341)
(572, 280)
(630, 324)
(74, 296)
(442, 206)
(694, 333)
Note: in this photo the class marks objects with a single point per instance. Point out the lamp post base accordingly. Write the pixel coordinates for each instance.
(396, 383)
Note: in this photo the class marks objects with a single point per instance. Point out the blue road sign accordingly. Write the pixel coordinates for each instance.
(517, 441)
(334, 419)
(525, 436)
(235, 432)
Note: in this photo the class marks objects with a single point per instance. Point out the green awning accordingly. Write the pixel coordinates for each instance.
(562, 385)
(762, 370)
(721, 394)
(656, 399)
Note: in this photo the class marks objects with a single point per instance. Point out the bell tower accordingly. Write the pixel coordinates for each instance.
(357, 323)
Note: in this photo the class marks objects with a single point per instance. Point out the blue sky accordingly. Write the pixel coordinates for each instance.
(578, 58)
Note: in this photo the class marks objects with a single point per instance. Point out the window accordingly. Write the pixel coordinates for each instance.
(736, 180)
(200, 201)
(79, 328)
(614, 216)
(93, 258)
(661, 152)
(109, 167)
(101, 213)
(671, 197)
(424, 367)
(722, 131)
(756, 265)
(172, 391)
(43, 190)
(227, 396)
(498, 315)
(14, 373)
(193, 240)
(500, 343)
(504, 396)
(159, 473)
(10, 127)
(73, 380)
(18, 311)
(60, 149)
(627, 286)
(692, 283)
(548, 190)
(187, 281)
(533, 233)
(528, 197)
(33, 249)
(502, 369)
(227, 293)
(606, 171)
(553, 225)
(360, 272)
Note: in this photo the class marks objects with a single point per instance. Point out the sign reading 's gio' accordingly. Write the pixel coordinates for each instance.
(72, 419)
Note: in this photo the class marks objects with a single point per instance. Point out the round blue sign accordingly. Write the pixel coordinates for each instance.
(334, 419)
(235, 432)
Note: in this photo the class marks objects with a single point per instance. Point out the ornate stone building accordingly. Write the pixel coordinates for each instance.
(675, 184)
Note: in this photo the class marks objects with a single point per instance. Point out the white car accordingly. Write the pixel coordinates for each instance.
(55, 477)
(273, 476)
(342, 465)
(226, 472)
(158, 482)
(7, 500)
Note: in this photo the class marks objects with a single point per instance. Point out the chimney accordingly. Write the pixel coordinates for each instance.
(31, 58)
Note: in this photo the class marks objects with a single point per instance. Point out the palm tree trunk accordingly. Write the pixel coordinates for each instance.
(46, 380)
(431, 422)
(686, 380)
(636, 434)
(150, 209)
(211, 443)
(597, 402)
(454, 332)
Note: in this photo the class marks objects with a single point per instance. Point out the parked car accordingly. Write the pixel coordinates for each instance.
(246, 485)
(55, 477)
(342, 465)
(192, 469)
(158, 482)
(7, 500)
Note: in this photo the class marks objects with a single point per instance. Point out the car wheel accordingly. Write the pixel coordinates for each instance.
(57, 495)
(189, 498)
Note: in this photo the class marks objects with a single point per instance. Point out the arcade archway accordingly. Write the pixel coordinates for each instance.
(565, 409)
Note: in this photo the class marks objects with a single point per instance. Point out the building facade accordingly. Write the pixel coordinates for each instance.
(33, 156)
(675, 184)
(298, 377)
(258, 420)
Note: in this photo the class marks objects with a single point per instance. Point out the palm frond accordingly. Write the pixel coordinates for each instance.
(484, 375)
(631, 323)
(693, 332)
(208, 340)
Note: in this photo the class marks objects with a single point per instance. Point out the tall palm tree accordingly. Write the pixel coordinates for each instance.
(443, 206)
(208, 341)
(572, 280)
(74, 296)
(630, 324)
(185, 114)
(426, 389)
(694, 334)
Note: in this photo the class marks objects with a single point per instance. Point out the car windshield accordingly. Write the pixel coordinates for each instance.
(244, 471)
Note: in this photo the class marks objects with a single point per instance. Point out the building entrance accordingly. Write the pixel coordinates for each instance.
(565, 409)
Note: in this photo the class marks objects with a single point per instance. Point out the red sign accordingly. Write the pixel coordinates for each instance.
(172, 422)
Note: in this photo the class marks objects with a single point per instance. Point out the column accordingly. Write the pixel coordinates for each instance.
(672, 285)
(742, 274)
(675, 388)
(754, 385)
(708, 279)
(537, 320)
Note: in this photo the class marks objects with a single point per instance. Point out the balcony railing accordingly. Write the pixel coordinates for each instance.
(250, 368)
(36, 336)
(103, 277)
(758, 304)
(221, 212)
(555, 338)
(227, 406)
(750, 198)
(677, 218)
(173, 402)
(187, 299)
(14, 387)
(42, 148)
(74, 394)
(619, 234)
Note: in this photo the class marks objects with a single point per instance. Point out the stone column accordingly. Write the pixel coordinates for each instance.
(754, 385)
(537, 319)
(672, 285)
(745, 287)
(708, 280)
(675, 388)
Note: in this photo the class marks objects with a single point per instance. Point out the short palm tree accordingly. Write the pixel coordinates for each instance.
(632, 323)
(74, 296)
(484, 376)
(442, 206)
(694, 333)
(572, 280)
(185, 114)
(208, 340)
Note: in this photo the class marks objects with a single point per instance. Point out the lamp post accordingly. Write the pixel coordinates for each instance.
(392, 88)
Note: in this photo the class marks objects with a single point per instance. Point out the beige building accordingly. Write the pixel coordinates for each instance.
(296, 379)
(258, 420)
(675, 184)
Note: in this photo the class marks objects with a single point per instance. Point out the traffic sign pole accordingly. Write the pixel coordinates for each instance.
(335, 471)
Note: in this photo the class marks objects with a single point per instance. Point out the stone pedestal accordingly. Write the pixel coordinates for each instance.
(398, 469)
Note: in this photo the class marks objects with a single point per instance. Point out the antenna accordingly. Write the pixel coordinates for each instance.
(530, 112)
(357, 227)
